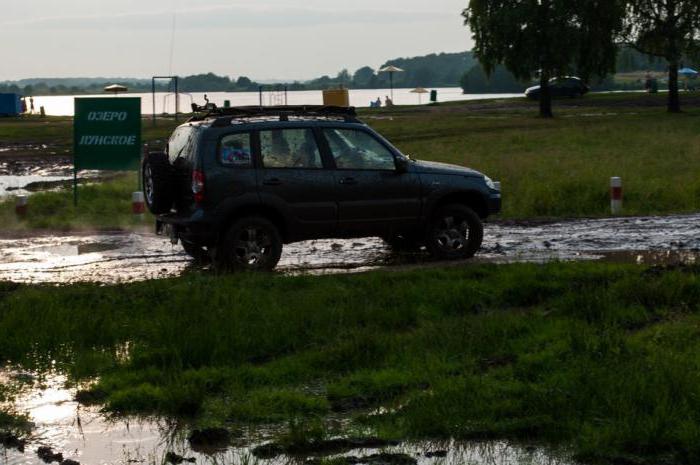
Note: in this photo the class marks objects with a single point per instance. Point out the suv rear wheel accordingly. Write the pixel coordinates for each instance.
(157, 182)
(403, 242)
(195, 251)
(251, 244)
(455, 232)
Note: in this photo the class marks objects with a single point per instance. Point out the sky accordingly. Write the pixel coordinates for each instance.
(263, 39)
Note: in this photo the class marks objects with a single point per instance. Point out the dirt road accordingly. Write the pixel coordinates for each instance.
(125, 257)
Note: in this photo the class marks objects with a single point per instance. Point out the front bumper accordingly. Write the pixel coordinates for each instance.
(494, 203)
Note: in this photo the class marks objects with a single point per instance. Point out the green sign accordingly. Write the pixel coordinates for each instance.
(107, 133)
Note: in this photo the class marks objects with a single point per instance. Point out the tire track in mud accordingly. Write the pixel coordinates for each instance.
(125, 257)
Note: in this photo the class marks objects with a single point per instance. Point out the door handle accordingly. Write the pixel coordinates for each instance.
(272, 182)
(348, 181)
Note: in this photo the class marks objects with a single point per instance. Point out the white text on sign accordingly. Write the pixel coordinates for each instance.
(107, 116)
(108, 140)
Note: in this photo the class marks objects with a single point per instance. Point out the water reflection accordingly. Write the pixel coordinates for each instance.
(92, 438)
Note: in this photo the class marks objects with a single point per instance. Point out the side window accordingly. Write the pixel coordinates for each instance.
(289, 148)
(358, 150)
(235, 150)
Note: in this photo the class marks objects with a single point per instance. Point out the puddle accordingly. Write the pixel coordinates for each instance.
(91, 438)
(124, 257)
(14, 185)
(39, 174)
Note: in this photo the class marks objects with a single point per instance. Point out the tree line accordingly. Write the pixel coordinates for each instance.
(500, 80)
(551, 38)
(434, 70)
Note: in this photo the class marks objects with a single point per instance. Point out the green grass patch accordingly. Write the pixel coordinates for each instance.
(548, 168)
(562, 167)
(100, 206)
(58, 130)
(602, 358)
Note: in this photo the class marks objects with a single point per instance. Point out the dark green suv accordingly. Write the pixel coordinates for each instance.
(236, 184)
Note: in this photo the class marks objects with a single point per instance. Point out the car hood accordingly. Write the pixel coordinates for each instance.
(433, 167)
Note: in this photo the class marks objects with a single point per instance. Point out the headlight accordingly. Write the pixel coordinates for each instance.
(489, 182)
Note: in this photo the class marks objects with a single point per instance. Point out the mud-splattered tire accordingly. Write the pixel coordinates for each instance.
(252, 243)
(196, 251)
(455, 232)
(158, 182)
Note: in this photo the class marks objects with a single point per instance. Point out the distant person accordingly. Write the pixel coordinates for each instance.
(650, 84)
(388, 102)
(31, 105)
(24, 104)
(378, 102)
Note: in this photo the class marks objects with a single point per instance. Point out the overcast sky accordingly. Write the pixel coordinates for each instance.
(263, 39)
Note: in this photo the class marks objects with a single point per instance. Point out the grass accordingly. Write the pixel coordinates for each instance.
(10, 419)
(100, 206)
(548, 168)
(602, 358)
(57, 131)
(562, 167)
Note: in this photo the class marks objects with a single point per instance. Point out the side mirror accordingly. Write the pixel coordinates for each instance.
(401, 165)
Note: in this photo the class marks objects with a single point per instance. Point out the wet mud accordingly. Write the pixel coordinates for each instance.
(125, 257)
(88, 437)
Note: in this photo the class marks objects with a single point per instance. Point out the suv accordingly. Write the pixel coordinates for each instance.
(235, 184)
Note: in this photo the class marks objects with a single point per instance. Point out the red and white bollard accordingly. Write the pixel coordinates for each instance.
(138, 205)
(21, 205)
(616, 195)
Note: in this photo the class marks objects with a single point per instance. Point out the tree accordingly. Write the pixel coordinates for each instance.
(244, 82)
(476, 81)
(669, 29)
(363, 76)
(343, 77)
(546, 37)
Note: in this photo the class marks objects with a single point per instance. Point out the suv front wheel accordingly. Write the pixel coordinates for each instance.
(455, 232)
(250, 244)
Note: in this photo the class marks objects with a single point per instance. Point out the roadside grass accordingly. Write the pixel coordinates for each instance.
(601, 358)
(104, 205)
(58, 130)
(556, 168)
(562, 167)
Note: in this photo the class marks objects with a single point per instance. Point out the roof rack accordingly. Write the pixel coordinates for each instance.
(224, 116)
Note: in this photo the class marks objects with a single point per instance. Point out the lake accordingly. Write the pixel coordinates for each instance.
(165, 102)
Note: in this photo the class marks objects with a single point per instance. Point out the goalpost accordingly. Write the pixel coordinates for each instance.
(171, 80)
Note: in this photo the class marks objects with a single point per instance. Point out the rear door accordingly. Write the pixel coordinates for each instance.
(373, 196)
(294, 179)
(230, 175)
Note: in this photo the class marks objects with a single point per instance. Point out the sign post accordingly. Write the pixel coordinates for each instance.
(106, 135)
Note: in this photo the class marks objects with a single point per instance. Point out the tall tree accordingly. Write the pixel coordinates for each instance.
(546, 37)
(669, 29)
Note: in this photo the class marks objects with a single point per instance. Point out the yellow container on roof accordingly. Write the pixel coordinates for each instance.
(336, 97)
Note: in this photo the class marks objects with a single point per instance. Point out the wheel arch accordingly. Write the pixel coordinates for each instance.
(472, 199)
(265, 211)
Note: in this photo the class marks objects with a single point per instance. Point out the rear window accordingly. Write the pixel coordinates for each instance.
(180, 143)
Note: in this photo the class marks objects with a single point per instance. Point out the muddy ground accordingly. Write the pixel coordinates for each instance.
(83, 434)
(129, 256)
